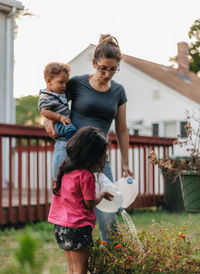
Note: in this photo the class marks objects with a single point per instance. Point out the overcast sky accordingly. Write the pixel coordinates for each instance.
(61, 29)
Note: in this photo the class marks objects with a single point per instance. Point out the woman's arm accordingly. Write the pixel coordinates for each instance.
(92, 203)
(123, 138)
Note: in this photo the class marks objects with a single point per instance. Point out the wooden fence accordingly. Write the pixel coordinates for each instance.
(25, 171)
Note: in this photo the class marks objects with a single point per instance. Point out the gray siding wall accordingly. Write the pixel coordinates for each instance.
(2, 67)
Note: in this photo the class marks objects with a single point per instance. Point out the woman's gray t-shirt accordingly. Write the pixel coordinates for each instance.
(91, 107)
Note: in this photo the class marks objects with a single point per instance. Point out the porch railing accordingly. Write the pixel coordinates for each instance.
(25, 171)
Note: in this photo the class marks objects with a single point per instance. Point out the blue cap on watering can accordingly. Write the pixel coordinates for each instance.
(120, 210)
(129, 180)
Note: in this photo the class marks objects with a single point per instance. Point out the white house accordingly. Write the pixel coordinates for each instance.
(158, 95)
(8, 8)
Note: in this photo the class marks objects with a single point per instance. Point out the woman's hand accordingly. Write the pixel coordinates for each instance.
(49, 127)
(126, 171)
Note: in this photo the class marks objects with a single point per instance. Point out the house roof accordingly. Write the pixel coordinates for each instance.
(188, 85)
(10, 3)
(90, 47)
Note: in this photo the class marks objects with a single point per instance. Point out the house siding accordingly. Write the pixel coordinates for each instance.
(2, 66)
(169, 105)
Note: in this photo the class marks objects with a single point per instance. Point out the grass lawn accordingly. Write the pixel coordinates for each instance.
(53, 257)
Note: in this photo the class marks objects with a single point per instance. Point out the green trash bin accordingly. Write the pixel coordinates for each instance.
(173, 198)
(190, 182)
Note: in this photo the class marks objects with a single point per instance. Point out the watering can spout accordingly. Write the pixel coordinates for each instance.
(120, 210)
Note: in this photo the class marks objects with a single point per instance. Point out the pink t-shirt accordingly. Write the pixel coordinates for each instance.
(69, 209)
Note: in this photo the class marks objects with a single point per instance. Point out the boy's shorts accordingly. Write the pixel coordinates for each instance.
(73, 238)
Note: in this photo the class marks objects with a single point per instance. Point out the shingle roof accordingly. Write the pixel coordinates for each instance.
(188, 85)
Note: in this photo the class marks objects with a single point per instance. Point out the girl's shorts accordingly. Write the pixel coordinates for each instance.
(73, 238)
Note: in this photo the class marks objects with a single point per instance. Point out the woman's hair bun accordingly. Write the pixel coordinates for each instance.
(107, 38)
(108, 47)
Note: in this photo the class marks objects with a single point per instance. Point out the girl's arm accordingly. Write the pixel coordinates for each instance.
(123, 138)
(92, 203)
(51, 115)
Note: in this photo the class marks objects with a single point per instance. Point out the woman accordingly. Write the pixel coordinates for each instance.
(96, 101)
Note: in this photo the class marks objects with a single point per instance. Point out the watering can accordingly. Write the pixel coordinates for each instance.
(124, 192)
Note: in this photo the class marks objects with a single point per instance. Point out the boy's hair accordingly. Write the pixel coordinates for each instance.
(85, 150)
(55, 68)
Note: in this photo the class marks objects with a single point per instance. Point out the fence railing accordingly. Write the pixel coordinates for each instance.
(25, 171)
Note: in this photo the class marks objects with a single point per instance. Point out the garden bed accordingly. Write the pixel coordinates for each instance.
(159, 243)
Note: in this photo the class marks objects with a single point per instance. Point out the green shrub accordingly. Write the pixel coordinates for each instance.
(26, 255)
(167, 249)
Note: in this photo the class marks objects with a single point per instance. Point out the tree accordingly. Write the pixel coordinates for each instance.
(27, 112)
(18, 15)
(194, 47)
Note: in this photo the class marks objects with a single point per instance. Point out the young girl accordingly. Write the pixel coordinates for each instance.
(53, 103)
(74, 196)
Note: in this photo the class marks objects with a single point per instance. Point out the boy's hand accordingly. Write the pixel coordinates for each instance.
(108, 196)
(65, 120)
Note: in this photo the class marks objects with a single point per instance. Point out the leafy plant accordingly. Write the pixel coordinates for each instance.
(26, 255)
(194, 48)
(166, 249)
(191, 144)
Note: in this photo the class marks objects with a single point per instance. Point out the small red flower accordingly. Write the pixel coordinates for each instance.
(118, 246)
(182, 236)
(103, 242)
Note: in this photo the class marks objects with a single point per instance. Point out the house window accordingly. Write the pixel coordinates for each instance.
(182, 129)
(155, 129)
(170, 129)
(136, 131)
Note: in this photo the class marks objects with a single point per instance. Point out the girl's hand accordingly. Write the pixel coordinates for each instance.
(108, 196)
(65, 120)
(91, 204)
(49, 127)
(126, 171)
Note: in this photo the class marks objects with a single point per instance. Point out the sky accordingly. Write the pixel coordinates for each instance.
(61, 29)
